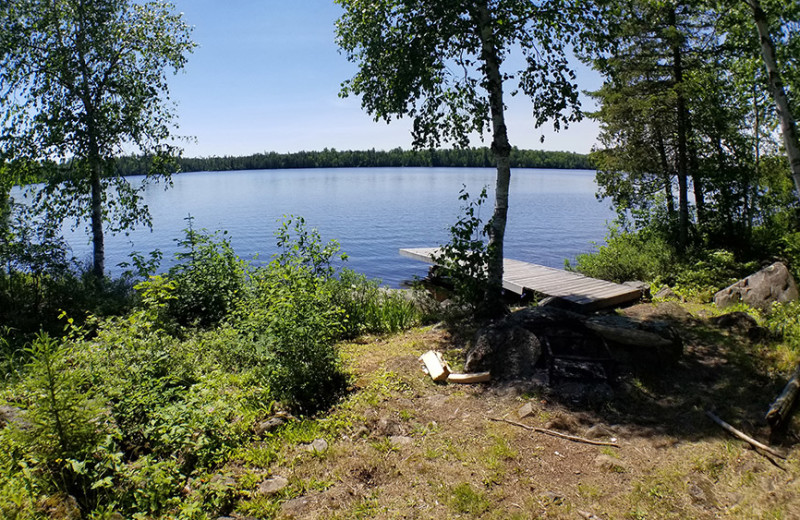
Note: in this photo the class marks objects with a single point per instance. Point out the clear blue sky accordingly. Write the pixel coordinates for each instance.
(266, 74)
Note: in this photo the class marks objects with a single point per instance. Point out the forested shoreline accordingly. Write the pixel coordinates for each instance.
(476, 157)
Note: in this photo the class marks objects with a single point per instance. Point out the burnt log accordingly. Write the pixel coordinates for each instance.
(781, 408)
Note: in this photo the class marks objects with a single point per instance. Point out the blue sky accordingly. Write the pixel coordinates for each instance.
(266, 74)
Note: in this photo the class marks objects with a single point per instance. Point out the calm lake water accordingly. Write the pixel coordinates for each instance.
(553, 214)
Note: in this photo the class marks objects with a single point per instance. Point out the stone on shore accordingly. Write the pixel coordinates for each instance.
(773, 284)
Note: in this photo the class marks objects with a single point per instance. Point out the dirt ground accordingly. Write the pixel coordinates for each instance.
(401, 446)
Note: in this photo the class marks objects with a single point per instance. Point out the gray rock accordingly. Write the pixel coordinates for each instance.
(387, 427)
(598, 431)
(297, 506)
(15, 416)
(318, 446)
(666, 293)
(401, 440)
(506, 350)
(269, 425)
(610, 464)
(738, 321)
(553, 497)
(770, 285)
(639, 342)
(526, 410)
(272, 486)
(559, 303)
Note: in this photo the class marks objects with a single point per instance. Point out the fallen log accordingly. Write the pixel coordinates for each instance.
(474, 377)
(736, 433)
(781, 408)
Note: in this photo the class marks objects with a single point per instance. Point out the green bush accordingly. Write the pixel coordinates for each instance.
(298, 332)
(295, 321)
(706, 272)
(463, 260)
(209, 280)
(783, 320)
(125, 410)
(627, 256)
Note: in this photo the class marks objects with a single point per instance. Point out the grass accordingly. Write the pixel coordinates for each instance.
(676, 463)
(465, 500)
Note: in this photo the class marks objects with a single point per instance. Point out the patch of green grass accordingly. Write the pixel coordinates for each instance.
(501, 449)
(607, 450)
(589, 491)
(384, 445)
(658, 493)
(463, 499)
(261, 507)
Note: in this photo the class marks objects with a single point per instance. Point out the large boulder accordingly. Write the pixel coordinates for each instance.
(509, 352)
(511, 348)
(770, 285)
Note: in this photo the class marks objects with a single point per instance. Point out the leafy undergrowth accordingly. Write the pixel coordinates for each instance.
(403, 447)
(400, 446)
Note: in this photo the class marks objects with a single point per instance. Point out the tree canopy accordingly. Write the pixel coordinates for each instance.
(443, 63)
(687, 123)
(82, 81)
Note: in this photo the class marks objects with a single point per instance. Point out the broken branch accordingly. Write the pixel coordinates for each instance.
(572, 438)
(781, 408)
(736, 433)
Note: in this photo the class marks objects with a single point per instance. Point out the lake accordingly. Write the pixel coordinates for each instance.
(372, 212)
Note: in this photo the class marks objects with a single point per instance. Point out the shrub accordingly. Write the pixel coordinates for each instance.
(706, 272)
(783, 320)
(298, 331)
(463, 260)
(295, 321)
(66, 433)
(628, 256)
(209, 279)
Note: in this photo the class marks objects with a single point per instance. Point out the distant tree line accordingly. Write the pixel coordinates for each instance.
(331, 158)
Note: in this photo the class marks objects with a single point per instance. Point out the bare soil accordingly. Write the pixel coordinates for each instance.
(401, 446)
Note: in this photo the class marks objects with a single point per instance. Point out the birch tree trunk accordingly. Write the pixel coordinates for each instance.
(502, 151)
(788, 125)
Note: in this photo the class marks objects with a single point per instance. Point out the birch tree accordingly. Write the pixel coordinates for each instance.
(443, 63)
(80, 82)
(777, 91)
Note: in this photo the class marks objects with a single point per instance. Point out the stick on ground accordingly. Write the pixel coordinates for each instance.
(736, 433)
(556, 434)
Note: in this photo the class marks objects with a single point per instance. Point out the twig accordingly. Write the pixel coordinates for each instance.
(556, 434)
(588, 516)
(736, 433)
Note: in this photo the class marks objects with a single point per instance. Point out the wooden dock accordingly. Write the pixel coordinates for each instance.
(525, 278)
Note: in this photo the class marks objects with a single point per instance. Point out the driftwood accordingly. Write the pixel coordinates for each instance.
(736, 433)
(572, 438)
(781, 408)
(474, 377)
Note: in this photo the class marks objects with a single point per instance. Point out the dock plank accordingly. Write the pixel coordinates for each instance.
(524, 277)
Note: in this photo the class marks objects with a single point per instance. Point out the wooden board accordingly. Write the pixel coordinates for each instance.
(525, 278)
